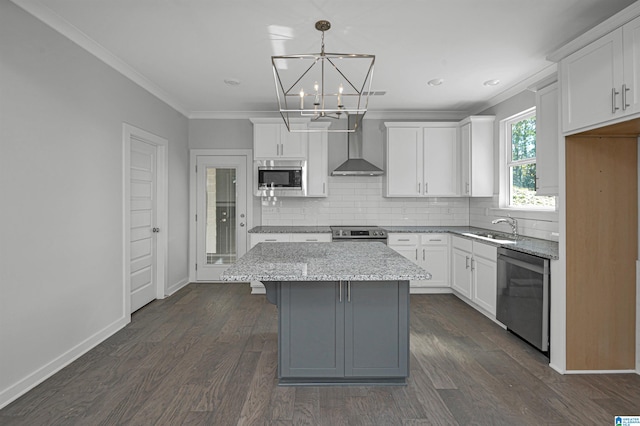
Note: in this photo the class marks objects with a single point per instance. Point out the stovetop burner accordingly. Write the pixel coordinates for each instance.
(358, 233)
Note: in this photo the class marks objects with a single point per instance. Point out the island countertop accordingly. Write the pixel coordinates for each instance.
(348, 261)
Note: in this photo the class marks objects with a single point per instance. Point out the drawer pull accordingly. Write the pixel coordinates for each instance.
(403, 239)
(271, 239)
(434, 239)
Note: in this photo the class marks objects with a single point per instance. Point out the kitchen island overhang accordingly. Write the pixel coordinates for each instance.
(343, 309)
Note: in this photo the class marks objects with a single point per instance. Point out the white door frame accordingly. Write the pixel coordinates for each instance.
(193, 158)
(162, 194)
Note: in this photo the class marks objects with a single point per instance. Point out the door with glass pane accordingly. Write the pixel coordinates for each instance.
(221, 231)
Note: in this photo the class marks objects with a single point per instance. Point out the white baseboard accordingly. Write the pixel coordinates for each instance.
(27, 383)
(177, 286)
(430, 290)
(600, 372)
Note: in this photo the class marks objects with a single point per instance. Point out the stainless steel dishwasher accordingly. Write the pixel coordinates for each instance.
(523, 296)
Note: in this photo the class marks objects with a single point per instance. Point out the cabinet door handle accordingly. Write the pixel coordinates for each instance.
(419, 188)
(423, 250)
(349, 291)
(473, 264)
(614, 93)
(466, 191)
(537, 186)
(466, 262)
(426, 187)
(340, 292)
(416, 254)
(625, 89)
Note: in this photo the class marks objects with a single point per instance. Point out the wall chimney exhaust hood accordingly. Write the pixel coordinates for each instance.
(355, 164)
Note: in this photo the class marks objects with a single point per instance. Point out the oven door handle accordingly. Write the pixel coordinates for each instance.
(521, 264)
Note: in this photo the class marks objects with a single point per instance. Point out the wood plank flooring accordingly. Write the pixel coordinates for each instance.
(208, 356)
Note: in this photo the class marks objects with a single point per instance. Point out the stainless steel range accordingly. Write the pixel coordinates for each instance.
(358, 233)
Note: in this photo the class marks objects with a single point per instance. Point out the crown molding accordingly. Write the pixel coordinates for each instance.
(545, 74)
(62, 26)
(616, 21)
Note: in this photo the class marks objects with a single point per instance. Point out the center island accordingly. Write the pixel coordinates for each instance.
(343, 309)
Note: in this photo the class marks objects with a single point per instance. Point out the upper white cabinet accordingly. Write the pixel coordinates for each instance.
(476, 158)
(547, 138)
(600, 82)
(421, 160)
(273, 140)
(318, 161)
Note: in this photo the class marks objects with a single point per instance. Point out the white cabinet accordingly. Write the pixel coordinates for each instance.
(318, 161)
(461, 254)
(476, 156)
(600, 81)
(421, 160)
(474, 273)
(429, 251)
(311, 238)
(547, 139)
(274, 141)
(254, 238)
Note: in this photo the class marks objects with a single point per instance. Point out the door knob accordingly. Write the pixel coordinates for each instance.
(241, 224)
(156, 230)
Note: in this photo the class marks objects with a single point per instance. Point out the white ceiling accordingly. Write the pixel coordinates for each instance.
(183, 50)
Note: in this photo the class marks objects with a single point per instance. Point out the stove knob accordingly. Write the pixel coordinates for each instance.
(375, 233)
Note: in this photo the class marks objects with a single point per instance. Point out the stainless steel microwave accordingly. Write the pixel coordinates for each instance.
(281, 178)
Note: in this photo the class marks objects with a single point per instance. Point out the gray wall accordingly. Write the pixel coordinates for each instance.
(61, 220)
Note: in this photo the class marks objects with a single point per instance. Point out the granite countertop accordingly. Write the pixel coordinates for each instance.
(290, 230)
(323, 262)
(543, 248)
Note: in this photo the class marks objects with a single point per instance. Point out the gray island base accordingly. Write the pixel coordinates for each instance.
(343, 310)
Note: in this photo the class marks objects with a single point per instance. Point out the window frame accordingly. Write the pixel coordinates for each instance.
(507, 163)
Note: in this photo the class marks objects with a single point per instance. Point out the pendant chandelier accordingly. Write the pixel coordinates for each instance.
(323, 85)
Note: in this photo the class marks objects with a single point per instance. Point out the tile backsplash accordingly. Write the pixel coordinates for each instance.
(357, 200)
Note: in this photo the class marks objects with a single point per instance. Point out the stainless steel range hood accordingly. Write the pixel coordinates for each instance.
(355, 164)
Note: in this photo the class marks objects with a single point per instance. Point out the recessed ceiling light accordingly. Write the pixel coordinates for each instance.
(231, 81)
(491, 82)
(435, 82)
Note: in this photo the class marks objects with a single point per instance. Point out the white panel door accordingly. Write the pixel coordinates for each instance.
(143, 219)
(404, 162)
(221, 218)
(440, 161)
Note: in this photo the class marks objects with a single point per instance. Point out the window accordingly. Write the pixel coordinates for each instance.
(520, 171)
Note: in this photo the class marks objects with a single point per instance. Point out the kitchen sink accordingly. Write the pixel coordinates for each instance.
(492, 236)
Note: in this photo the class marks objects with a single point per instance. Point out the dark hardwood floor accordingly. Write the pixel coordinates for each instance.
(208, 355)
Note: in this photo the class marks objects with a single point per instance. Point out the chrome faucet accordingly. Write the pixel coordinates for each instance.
(511, 221)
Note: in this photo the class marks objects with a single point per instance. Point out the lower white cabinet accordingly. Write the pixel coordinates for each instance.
(429, 251)
(474, 273)
(256, 286)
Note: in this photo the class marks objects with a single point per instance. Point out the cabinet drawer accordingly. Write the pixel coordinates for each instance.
(403, 239)
(485, 250)
(310, 238)
(434, 239)
(462, 244)
(269, 238)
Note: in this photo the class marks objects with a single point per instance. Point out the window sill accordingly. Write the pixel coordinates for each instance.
(542, 214)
